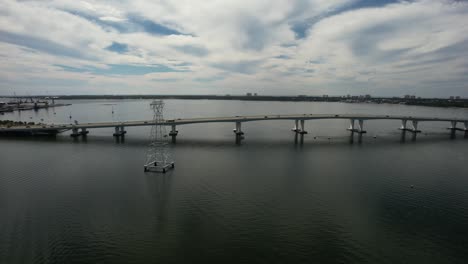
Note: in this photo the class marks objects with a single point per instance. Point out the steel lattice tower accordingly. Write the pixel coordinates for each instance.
(158, 157)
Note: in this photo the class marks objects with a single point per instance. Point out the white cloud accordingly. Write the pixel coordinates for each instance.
(239, 44)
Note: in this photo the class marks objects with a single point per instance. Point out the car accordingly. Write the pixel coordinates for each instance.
(266, 116)
(170, 120)
(337, 115)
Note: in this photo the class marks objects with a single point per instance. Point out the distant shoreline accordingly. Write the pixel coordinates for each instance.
(435, 102)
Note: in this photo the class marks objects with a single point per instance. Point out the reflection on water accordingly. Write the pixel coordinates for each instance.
(268, 200)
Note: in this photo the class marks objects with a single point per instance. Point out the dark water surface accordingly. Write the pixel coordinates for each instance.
(266, 201)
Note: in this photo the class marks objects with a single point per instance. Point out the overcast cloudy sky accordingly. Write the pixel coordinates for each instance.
(279, 47)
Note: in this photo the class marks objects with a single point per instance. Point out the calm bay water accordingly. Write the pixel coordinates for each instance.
(266, 201)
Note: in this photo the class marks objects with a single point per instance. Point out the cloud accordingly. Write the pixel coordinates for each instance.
(197, 51)
(115, 69)
(39, 44)
(279, 46)
(243, 67)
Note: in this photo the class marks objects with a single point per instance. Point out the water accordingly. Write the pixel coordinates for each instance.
(266, 201)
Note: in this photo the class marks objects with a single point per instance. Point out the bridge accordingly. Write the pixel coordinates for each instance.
(356, 124)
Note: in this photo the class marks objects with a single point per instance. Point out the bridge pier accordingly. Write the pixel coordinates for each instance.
(84, 131)
(403, 129)
(414, 129)
(351, 125)
(403, 135)
(466, 129)
(302, 131)
(75, 133)
(299, 130)
(453, 129)
(238, 132)
(173, 133)
(119, 131)
(296, 126)
(403, 125)
(359, 129)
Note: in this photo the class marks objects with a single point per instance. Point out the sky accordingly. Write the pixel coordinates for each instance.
(269, 47)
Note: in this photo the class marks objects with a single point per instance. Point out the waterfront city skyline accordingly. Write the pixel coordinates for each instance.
(381, 48)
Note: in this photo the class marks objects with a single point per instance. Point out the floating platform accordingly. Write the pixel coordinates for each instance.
(158, 167)
(411, 130)
(239, 133)
(118, 134)
(457, 128)
(356, 130)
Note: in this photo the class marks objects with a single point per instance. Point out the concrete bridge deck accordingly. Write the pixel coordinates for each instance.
(238, 120)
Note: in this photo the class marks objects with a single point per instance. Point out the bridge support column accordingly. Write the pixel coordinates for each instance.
(296, 126)
(361, 130)
(299, 129)
(238, 132)
(173, 133)
(351, 125)
(352, 130)
(403, 129)
(403, 124)
(302, 128)
(302, 131)
(84, 131)
(361, 127)
(75, 133)
(453, 129)
(466, 129)
(414, 129)
(119, 131)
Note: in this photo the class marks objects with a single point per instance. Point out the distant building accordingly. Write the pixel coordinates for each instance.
(249, 94)
(367, 96)
(457, 97)
(451, 97)
(255, 94)
(325, 96)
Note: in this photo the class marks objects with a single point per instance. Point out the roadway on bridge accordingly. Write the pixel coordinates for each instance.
(184, 121)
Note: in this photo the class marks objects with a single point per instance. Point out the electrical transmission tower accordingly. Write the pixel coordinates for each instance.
(158, 157)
